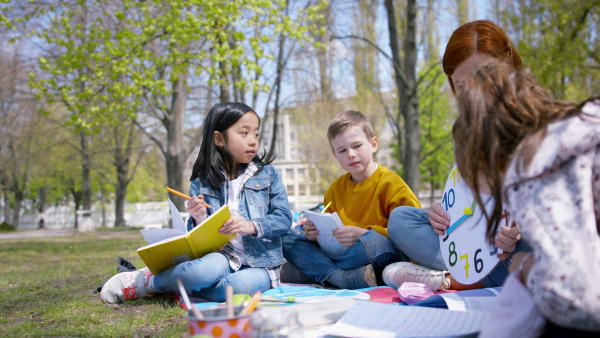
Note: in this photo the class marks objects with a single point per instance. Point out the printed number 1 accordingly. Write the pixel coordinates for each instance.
(467, 266)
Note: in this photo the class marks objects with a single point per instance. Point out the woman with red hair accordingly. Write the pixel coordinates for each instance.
(415, 232)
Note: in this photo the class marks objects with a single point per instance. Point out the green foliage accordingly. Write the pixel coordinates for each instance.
(112, 54)
(6, 227)
(148, 184)
(436, 117)
(558, 40)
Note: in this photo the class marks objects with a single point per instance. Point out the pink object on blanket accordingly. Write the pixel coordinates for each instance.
(411, 293)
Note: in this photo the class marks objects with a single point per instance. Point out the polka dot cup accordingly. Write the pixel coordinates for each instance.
(217, 324)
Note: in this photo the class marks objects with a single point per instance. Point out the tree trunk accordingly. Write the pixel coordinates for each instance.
(103, 202)
(7, 208)
(42, 206)
(120, 192)
(86, 185)
(17, 209)
(410, 100)
(176, 155)
(224, 84)
(405, 78)
(280, 67)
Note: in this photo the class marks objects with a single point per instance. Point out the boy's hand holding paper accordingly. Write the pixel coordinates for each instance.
(348, 235)
(327, 223)
(310, 230)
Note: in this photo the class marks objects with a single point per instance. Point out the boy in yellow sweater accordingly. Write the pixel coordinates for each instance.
(363, 198)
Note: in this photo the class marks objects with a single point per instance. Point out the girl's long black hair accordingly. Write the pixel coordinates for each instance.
(213, 160)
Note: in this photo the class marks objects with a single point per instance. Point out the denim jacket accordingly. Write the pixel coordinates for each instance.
(264, 201)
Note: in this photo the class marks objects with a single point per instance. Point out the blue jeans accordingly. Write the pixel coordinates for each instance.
(412, 234)
(207, 277)
(371, 248)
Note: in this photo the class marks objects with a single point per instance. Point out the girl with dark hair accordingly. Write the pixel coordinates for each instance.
(228, 171)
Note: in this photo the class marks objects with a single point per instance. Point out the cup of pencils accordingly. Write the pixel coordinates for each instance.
(215, 322)
(221, 321)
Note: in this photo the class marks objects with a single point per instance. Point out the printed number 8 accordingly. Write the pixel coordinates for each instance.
(452, 250)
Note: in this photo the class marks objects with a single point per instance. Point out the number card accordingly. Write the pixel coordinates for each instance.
(465, 249)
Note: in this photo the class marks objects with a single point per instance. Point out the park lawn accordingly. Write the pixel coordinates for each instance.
(46, 289)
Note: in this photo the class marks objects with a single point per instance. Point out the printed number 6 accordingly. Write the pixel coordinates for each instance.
(478, 262)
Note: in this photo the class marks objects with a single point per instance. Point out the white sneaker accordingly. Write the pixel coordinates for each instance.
(126, 285)
(397, 273)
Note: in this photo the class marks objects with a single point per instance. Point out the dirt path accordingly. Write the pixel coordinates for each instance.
(38, 233)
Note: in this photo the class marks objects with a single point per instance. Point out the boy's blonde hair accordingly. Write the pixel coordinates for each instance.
(348, 119)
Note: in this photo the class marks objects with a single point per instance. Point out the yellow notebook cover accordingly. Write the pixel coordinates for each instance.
(203, 239)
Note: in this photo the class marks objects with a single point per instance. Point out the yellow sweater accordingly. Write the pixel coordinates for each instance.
(368, 204)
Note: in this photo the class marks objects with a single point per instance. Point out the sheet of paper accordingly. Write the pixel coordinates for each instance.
(371, 319)
(178, 223)
(472, 300)
(156, 235)
(326, 224)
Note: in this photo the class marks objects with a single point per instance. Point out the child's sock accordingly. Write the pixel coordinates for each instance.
(363, 277)
(150, 288)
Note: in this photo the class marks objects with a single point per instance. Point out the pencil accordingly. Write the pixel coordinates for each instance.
(327, 206)
(252, 305)
(173, 191)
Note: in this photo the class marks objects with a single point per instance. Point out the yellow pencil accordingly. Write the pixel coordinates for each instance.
(322, 211)
(327, 206)
(252, 304)
(173, 191)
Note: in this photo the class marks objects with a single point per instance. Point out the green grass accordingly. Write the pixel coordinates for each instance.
(46, 290)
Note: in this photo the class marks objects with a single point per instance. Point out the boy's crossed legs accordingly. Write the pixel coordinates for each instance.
(359, 267)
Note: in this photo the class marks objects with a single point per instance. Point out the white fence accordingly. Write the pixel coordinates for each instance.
(146, 215)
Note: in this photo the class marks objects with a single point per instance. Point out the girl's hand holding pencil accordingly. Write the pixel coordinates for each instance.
(196, 206)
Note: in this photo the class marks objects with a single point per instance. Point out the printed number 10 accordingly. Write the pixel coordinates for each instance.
(448, 199)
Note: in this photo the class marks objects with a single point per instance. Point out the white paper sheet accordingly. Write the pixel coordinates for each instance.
(156, 235)
(371, 319)
(474, 300)
(326, 223)
(178, 223)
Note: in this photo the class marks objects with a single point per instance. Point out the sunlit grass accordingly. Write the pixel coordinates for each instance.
(46, 289)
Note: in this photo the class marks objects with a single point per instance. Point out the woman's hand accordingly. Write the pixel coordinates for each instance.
(310, 230)
(237, 225)
(349, 234)
(439, 218)
(196, 207)
(523, 261)
(507, 240)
